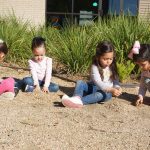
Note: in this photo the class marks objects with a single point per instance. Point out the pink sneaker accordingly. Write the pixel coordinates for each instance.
(72, 102)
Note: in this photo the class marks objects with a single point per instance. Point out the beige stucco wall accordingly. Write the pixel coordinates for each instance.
(144, 9)
(31, 10)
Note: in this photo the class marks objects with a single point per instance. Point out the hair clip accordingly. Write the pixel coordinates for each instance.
(134, 50)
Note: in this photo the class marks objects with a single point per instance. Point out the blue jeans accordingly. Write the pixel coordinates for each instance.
(19, 83)
(90, 93)
(29, 81)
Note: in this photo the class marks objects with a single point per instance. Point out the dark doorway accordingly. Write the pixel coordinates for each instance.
(105, 6)
(56, 12)
(80, 11)
(71, 10)
(58, 5)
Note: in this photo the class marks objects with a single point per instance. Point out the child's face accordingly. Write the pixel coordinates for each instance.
(106, 60)
(2, 55)
(39, 53)
(145, 65)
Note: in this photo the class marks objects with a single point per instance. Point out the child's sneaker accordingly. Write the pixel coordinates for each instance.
(65, 97)
(7, 96)
(29, 88)
(72, 102)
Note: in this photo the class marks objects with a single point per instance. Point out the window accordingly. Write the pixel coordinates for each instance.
(114, 7)
(123, 6)
(130, 6)
(72, 11)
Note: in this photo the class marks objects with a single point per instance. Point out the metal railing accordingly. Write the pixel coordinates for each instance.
(72, 15)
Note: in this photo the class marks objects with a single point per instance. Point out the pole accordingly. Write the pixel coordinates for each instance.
(99, 9)
(72, 11)
(121, 7)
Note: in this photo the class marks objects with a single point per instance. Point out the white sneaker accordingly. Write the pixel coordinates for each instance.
(7, 96)
(72, 102)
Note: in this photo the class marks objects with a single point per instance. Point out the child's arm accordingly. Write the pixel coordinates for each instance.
(115, 92)
(96, 78)
(33, 73)
(117, 85)
(48, 74)
(105, 86)
(142, 91)
(143, 88)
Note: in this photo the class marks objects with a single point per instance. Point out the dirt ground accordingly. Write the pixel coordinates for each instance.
(39, 121)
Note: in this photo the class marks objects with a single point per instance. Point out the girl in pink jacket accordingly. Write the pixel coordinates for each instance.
(6, 85)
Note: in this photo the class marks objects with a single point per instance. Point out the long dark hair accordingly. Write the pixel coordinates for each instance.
(3, 48)
(102, 48)
(144, 53)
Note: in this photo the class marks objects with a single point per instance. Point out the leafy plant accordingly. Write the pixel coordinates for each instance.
(18, 38)
(125, 69)
(74, 46)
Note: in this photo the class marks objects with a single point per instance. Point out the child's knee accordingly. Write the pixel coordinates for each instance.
(79, 82)
(55, 88)
(108, 97)
(28, 81)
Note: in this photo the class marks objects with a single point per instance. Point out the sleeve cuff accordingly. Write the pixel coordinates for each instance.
(46, 85)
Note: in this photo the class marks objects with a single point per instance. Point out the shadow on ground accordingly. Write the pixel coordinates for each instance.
(132, 97)
(66, 90)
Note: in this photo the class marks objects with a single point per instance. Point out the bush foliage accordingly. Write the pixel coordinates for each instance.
(74, 46)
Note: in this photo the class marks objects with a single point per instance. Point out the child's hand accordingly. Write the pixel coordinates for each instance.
(37, 88)
(139, 101)
(116, 92)
(45, 89)
(120, 89)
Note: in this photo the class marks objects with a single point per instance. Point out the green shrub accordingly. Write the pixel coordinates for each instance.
(17, 37)
(124, 69)
(75, 46)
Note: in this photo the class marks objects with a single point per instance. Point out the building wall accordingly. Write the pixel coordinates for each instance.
(144, 9)
(31, 10)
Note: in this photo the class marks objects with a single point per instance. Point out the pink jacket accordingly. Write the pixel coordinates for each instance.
(7, 85)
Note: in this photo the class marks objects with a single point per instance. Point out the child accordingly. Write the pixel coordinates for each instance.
(41, 69)
(6, 85)
(140, 54)
(103, 83)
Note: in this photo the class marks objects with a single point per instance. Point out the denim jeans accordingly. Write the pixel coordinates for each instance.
(19, 84)
(29, 81)
(90, 93)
